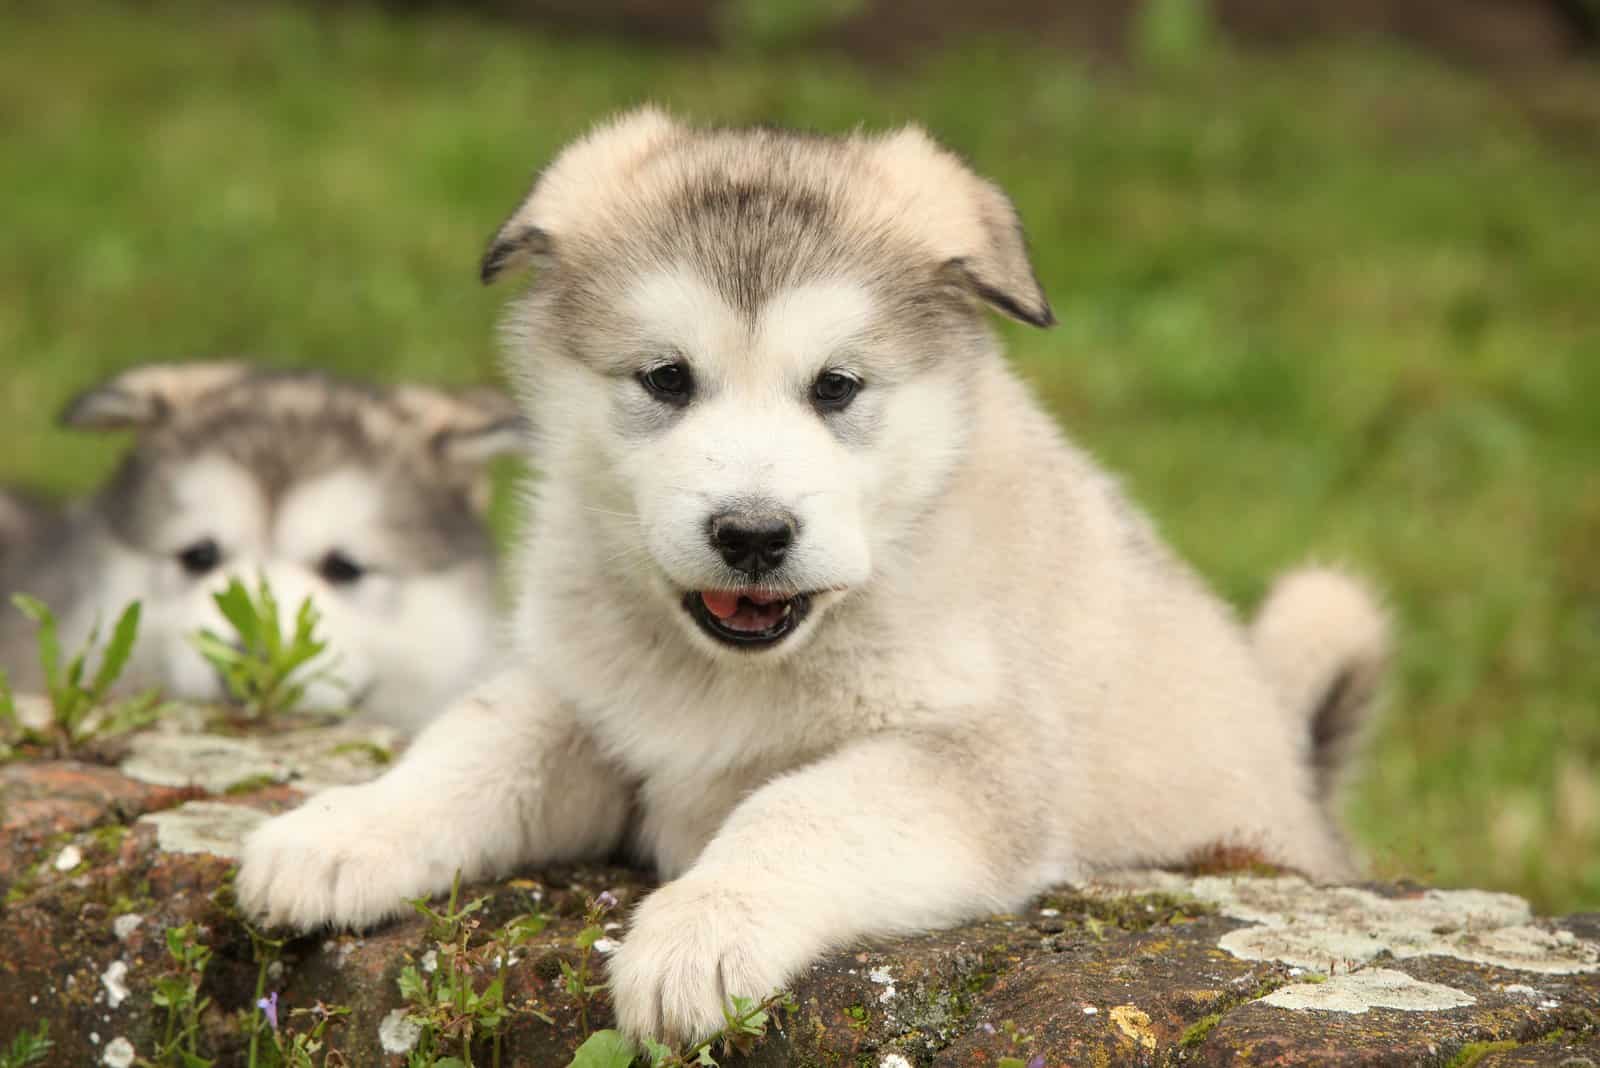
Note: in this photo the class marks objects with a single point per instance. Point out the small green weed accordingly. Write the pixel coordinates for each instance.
(80, 711)
(290, 1047)
(262, 668)
(1018, 1039)
(29, 1047)
(1473, 1052)
(577, 976)
(1196, 1033)
(178, 991)
(446, 1001)
(746, 1021)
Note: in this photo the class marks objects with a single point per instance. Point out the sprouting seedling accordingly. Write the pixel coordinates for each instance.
(79, 707)
(28, 1047)
(262, 669)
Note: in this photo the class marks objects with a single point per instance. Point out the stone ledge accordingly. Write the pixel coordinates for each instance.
(1150, 968)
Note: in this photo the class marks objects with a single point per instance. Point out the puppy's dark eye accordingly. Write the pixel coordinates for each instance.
(671, 382)
(201, 557)
(834, 390)
(339, 569)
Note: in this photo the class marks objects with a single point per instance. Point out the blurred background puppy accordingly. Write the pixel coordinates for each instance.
(369, 501)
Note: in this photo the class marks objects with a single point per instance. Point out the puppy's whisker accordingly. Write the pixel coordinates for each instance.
(607, 511)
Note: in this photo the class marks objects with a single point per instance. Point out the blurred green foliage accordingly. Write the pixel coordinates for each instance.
(1332, 304)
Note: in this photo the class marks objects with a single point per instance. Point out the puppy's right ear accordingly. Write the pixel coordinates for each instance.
(147, 395)
(514, 248)
(586, 173)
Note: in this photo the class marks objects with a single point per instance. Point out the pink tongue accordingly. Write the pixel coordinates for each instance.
(720, 603)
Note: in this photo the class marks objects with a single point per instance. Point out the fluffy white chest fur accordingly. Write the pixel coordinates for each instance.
(816, 593)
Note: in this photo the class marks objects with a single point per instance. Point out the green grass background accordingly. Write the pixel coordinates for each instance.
(1334, 304)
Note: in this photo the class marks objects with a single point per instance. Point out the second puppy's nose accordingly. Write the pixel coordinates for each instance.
(752, 542)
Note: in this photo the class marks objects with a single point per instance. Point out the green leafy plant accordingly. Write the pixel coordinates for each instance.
(447, 1002)
(576, 977)
(288, 1045)
(80, 709)
(264, 670)
(178, 991)
(745, 1022)
(28, 1047)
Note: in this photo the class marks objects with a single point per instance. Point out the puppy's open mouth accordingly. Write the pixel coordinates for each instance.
(749, 619)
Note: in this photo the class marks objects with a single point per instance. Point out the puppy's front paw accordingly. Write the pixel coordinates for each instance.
(692, 947)
(348, 857)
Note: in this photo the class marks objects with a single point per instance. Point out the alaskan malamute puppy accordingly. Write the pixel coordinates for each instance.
(367, 500)
(817, 593)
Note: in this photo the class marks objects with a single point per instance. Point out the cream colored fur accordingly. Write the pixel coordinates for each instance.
(1005, 680)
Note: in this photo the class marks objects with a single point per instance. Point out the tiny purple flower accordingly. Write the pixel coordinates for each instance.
(606, 900)
(269, 1006)
(986, 1028)
(1036, 1061)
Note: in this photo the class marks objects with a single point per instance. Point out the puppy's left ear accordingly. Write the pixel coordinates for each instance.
(970, 223)
(999, 271)
(146, 396)
(467, 428)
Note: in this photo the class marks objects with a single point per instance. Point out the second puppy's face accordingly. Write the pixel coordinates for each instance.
(366, 502)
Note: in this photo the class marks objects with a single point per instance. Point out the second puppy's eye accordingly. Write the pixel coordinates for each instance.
(671, 382)
(834, 390)
(339, 569)
(201, 557)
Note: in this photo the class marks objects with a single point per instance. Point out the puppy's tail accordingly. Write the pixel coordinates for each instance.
(1323, 638)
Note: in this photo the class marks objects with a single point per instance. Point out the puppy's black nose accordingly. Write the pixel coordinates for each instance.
(752, 542)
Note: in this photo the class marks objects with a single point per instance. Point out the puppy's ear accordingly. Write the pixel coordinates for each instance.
(467, 428)
(146, 396)
(513, 248)
(1000, 272)
(970, 223)
(583, 176)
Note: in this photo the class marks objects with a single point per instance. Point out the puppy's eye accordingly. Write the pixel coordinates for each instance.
(201, 557)
(671, 382)
(834, 390)
(339, 569)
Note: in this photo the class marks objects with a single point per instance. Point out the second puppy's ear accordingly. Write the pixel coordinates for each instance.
(513, 248)
(147, 395)
(466, 427)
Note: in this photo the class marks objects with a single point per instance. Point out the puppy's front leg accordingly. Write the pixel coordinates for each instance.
(892, 834)
(503, 777)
